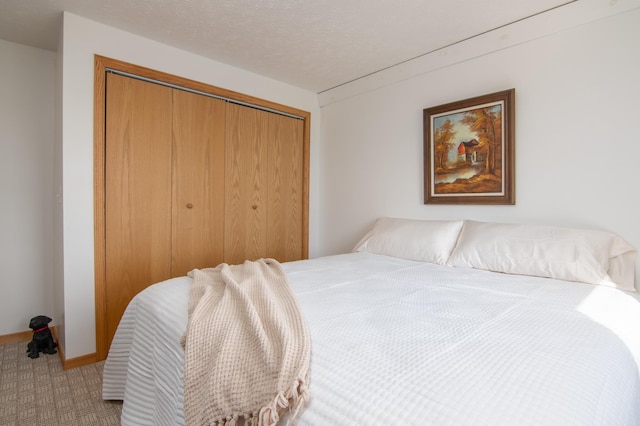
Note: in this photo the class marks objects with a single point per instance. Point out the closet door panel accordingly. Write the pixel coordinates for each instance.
(198, 182)
(137, 191)
(285, 188)
(245, 184)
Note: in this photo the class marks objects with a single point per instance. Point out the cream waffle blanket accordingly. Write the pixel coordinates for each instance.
(246, 346)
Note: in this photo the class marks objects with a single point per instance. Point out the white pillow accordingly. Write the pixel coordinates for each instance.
(424, 240)
(561, 253)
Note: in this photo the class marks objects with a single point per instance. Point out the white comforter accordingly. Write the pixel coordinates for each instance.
(402, 342)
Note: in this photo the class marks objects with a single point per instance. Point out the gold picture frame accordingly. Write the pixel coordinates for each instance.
(469, 151)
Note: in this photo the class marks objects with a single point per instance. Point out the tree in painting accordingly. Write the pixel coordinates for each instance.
(443, 143)
(487, 124)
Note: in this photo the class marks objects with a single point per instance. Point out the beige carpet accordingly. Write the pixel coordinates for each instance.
(39, 392)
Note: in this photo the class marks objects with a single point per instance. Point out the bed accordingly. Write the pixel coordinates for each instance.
(431, 323)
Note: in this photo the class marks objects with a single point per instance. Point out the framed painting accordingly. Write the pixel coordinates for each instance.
(469, 151)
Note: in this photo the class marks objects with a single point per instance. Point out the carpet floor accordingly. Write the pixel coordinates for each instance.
(39, 392)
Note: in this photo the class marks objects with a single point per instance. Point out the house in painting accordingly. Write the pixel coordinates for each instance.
(471, 152)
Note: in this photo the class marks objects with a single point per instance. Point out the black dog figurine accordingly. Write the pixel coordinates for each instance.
(42, 339)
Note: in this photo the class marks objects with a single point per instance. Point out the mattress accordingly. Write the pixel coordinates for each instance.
(397, 341)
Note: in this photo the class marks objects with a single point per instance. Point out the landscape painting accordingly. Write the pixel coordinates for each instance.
(469, 151)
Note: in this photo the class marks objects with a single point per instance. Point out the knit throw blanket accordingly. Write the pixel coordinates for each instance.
(246, 346)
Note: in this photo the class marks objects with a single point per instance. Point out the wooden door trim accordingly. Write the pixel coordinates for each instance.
(101, 64)
(99, 130)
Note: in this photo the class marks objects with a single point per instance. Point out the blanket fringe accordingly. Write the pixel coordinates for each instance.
(293, 398)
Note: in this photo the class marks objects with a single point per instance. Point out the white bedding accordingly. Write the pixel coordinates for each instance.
(398, 341)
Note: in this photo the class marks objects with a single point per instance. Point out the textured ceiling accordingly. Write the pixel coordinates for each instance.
(313, 44)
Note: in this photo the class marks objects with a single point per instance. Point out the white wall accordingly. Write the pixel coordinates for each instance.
(82, 39)
(577, 143)
(27, 82)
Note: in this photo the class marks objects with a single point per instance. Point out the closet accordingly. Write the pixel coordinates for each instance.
(187, 180)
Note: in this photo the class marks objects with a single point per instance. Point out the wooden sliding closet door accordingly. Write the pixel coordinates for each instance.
(137, 191)
(264, 185)
(285, 188)
(245, 235)
(198, 182)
